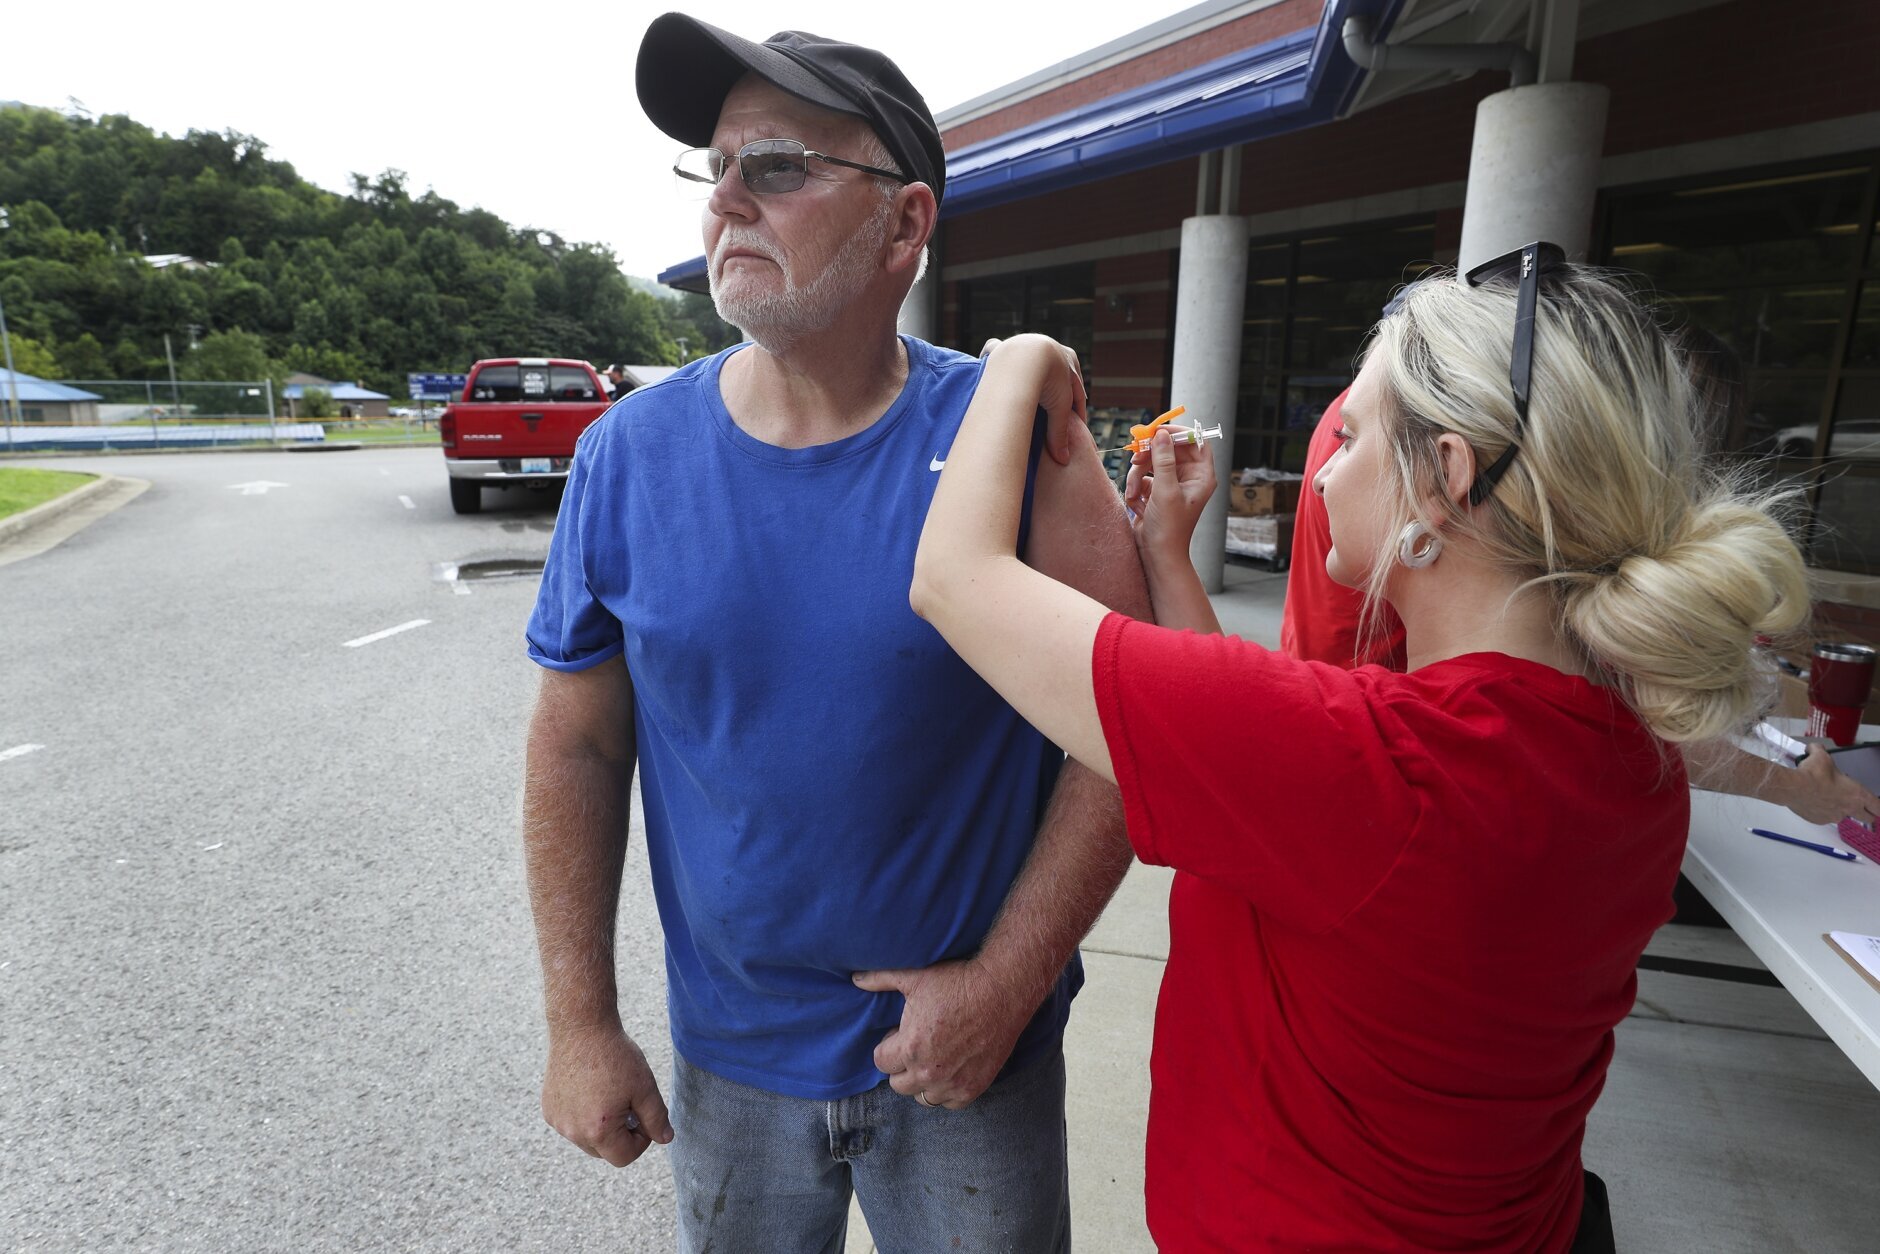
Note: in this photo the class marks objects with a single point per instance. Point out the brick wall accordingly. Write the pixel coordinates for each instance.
(1247, 32)
(1133, 324)
(1749, 66)
(1145, 200)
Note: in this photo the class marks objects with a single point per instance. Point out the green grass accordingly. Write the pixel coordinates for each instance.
(22, 489)
(379, 431)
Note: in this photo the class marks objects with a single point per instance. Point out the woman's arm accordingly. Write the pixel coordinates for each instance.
(1027, 635)
(1814, 789)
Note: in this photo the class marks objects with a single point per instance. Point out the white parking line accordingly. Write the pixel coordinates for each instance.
(408, 502)
(389, 631)
(18, 751)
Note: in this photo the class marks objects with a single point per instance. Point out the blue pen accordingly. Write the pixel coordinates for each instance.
(1830, 850)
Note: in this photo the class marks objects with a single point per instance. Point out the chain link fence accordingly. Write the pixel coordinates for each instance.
(146, 400)
(141, 414)
(146, 413)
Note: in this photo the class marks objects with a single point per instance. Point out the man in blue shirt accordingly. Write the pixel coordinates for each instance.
(872, 875)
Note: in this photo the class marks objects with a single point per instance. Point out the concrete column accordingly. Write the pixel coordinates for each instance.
(1534, 169)
(1210, 302)
(920, 312)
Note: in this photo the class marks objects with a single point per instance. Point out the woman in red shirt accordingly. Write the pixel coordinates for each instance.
(1408, 906)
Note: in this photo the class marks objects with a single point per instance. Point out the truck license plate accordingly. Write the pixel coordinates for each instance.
(535, 465)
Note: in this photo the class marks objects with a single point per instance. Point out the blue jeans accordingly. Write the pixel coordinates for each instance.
(758, 1171)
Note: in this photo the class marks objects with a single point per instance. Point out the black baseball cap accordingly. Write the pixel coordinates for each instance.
(688, 67)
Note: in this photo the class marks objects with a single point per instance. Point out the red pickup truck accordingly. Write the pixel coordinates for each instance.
(516, 424)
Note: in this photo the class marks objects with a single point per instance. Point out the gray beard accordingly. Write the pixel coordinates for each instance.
(775, 320)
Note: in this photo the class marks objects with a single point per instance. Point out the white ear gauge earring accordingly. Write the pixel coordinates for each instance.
(1419, 546)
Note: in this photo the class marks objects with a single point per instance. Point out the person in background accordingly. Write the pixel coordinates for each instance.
(1322, 621)
(617, 385)
(1408, 906)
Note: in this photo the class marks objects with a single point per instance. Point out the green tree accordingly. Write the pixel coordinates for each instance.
(691, 317)
(317, 403)
(228, 357)
(32, 357)
(327, 363)
(84, 358)
(368, 285)
(128, 361)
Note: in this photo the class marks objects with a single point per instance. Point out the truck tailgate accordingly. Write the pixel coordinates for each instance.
(520, 430)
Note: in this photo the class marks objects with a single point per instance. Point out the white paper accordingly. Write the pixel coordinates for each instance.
(1862, 949)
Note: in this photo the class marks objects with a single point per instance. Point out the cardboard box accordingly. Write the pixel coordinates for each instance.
(1270, 496)
(1268, 536)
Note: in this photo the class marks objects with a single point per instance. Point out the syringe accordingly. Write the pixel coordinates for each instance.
(1178, 435)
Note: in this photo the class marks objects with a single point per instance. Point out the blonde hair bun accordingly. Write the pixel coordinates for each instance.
(1663, 570)
(1673, 628)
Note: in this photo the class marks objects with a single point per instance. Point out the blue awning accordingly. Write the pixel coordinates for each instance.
(1287, 84)
(687, 276)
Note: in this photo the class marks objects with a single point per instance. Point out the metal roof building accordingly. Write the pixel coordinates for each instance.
(44, 401)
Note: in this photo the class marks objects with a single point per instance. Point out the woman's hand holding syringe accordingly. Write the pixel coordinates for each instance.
(1141, 435)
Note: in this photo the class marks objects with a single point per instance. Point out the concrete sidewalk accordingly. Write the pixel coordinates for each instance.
(1729, 1123)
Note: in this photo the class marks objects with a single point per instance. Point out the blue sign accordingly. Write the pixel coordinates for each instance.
(434, 387)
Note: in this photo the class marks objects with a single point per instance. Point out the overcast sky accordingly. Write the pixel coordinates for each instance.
(526, 110)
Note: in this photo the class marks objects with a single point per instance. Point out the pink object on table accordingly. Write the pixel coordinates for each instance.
(1860, 838)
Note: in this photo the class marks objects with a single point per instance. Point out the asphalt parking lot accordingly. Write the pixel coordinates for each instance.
(267, 976)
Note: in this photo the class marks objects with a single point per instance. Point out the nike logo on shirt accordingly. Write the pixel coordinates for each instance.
(936, 464)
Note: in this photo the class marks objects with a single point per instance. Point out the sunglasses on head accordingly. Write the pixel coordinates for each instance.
(767, 166)
(1522, 267)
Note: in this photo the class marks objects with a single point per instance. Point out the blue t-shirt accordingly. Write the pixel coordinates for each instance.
(828, 787)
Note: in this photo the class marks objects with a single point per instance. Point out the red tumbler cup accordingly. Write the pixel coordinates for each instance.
(1839, 680)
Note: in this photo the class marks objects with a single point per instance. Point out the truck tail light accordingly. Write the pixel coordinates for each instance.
(447, 428)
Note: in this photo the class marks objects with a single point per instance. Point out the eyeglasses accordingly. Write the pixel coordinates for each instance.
(1523, 266)
(767, 166)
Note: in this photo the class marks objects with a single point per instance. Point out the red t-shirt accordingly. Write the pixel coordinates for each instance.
(1320, 622)
(1405, 922)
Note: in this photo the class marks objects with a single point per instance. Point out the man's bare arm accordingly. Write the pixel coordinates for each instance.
(597, 1091)
(963, 1018)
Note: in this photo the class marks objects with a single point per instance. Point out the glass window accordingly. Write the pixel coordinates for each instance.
(1768, 263)
(1262, 349)
(1762, 263)
(1060, 303)
(1783, 416)
(1742, 230)
(1857, 420)
(1846, 534)
(1310, 304)
(497, 383)
(1863, 346)
(571, 383)
(995, 309)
